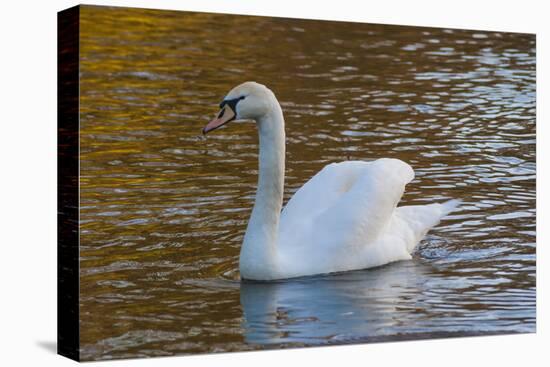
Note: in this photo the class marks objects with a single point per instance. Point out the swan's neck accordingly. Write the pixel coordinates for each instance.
(259, 251)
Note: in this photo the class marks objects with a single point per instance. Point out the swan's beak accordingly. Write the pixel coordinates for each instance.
(225, 115)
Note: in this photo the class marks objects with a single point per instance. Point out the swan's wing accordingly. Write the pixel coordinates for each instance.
(346, 217)
(366, 210)
(346, 204)
(320, 193)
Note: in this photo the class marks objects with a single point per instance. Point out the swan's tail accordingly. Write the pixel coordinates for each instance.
(421, 218)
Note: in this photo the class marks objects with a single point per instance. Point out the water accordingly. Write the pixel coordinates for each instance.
(163, 209)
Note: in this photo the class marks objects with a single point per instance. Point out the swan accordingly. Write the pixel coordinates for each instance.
(344, 218)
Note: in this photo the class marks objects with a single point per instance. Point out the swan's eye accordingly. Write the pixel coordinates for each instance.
(231, 102)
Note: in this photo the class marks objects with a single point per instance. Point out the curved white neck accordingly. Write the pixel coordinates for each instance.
(258, 259)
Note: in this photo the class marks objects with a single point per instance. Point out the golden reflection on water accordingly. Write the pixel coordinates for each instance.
(163, 209)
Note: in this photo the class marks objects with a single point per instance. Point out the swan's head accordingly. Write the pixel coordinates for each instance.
(248, 101)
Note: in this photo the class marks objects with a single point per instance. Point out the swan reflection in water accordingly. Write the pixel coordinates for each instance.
(331, 308)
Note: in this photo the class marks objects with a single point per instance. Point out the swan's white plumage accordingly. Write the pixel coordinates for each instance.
(344, 218)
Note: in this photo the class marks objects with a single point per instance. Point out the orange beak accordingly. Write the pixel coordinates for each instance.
(225, 115)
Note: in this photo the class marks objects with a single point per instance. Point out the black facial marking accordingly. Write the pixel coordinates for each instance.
(231, 102)
(221, 113)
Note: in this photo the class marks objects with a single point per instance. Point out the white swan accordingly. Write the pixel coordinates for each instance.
(344, 218)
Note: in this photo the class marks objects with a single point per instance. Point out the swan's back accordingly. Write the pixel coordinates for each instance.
(349, 188)
(346, 217)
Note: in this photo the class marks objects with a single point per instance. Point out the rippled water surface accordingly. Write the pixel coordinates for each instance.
(163, 209)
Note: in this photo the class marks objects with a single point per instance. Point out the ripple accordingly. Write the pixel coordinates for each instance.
(164, 209)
